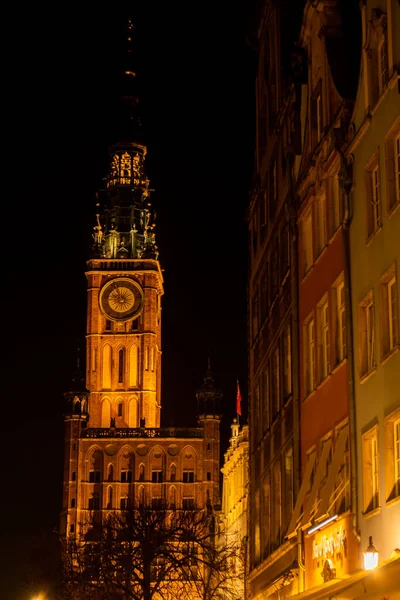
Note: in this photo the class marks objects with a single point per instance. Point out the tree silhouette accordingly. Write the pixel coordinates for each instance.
(143, 553)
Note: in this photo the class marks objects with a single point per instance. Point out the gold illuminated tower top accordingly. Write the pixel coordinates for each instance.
(125, 284)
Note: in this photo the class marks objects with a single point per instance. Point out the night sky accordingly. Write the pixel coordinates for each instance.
(197, 77)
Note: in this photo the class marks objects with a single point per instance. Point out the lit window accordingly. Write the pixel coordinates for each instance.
(389, 312)
(373, 195)
(366, 332)
(392, 155)
(309, 354)
(120, 366)
(392, 456)
(340, 322)
(324, 343)
(371, 469)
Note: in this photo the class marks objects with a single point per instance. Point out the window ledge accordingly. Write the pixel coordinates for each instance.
(393, 501)
(366, 376)
(389, 354)
(373, 235)
(393, 209)
(338, 365)
(372, 513)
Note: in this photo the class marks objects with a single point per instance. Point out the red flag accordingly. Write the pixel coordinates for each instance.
(238, 400)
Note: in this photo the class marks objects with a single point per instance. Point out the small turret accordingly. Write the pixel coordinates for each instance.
(209, 397)
(77, 396)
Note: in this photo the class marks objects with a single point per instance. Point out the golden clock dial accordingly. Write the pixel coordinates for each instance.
(121, 299)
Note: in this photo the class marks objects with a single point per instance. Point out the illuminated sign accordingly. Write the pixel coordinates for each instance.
(329, 545)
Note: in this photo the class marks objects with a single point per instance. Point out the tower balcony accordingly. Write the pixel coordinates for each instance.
(140, 432)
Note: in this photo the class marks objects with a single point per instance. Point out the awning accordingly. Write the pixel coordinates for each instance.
(293, 525)
(326, 491)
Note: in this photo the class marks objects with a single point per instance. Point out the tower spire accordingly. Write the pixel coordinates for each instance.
(125, 224)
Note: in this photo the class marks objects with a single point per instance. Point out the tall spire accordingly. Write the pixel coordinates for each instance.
(125, 224)
(208, 396)
(128, 121)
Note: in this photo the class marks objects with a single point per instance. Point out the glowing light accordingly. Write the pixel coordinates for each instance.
(370, 556)
(322, 524)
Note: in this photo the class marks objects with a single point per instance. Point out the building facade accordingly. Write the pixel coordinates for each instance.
(374, 153)
(235, 497)
(328, 163)
(272, 289)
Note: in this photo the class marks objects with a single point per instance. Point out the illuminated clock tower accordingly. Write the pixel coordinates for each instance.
(116, 454)
(125, 286)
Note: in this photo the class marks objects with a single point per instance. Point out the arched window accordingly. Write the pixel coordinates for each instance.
(95, 467)
(106, 379)
(121, 366)
(141, 496)
(173, 472)
(172, 498)
(105, 413)
(109, 497)
(120, 409)
(133, 366)
(141, 472)
(110, 475)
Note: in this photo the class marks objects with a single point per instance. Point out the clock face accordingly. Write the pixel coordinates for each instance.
(121, 299)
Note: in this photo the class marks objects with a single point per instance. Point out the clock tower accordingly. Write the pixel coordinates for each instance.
(125, 286)
(116, 454)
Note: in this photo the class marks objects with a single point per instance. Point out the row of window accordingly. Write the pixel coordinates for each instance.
(274, 273)
(372, 462)
(124, 367)
(324, 337)
(273, 506)
(274, 385)
(126, 502)
(320, 222)
(373, 183)
(367, 323)
(129, 326)
(126, 475)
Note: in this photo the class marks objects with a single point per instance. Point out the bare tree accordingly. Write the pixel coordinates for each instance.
(149, 554)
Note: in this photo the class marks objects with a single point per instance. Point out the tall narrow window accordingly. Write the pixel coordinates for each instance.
(375, 472)
(373, 196)
(316, 115)
(389, 312)
(275, 387)
(106, 367)
(334, 203)
(121, 366)
(120, 410)
(383, 64)
(133, 366)
(309, 356)
(324, 344)
(366, 332)
(287, 362)
(340, 329)
(108, 325)
(94, 359)
(288, 501)
(307, 242)
(321, 223)
(392, 156)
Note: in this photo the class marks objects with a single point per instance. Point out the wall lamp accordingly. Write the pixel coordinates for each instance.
(370, 556)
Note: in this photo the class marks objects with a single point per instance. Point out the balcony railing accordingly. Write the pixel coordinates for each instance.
(141, 432)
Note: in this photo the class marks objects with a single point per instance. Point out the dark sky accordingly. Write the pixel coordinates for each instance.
(197, 77)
